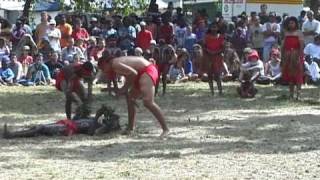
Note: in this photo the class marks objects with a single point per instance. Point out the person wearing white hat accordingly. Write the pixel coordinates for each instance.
(54, 36)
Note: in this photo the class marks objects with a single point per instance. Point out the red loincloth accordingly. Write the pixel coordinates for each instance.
(151, 71)
(215, 44)
(71, 126)
(61, 77)
(292, 72)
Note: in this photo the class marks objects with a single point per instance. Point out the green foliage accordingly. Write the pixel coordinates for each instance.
(126, 7)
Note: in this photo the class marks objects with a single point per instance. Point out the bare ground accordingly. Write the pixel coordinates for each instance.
(216, 137)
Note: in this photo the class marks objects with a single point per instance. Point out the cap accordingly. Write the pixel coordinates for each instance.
(253, 56)
(142, 23)
(26, 48)
(94, 19)
(52, 21)
(247, 50)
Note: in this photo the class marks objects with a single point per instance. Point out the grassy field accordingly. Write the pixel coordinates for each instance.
(220, 137)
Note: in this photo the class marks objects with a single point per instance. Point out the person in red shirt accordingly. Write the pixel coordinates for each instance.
(79, 32)
(144, 37)
(214, 46)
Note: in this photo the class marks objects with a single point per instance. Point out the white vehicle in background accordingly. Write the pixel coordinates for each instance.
(235, 7)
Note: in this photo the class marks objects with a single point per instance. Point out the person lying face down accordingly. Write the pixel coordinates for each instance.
(105, 121)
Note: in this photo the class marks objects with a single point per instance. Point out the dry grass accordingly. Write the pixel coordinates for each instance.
(224, 137)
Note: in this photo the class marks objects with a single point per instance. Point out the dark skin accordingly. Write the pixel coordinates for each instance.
(129, 66)
(172, 58)
(211, 75)
(80, 95)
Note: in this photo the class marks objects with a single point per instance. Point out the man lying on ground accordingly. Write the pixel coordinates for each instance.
(66, 127)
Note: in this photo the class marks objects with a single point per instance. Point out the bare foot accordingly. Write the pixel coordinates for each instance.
(164, 134)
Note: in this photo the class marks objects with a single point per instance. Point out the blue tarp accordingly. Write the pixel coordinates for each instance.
(47, 5)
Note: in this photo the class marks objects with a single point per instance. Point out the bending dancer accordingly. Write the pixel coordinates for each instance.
(141, 77)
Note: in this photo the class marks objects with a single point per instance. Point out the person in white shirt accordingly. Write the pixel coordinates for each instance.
(312, 71)
(54, 36)
(310, 28)
(271, 32)
(180, 33)
(313, 49)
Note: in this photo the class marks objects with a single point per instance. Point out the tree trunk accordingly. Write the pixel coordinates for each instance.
(26, 8)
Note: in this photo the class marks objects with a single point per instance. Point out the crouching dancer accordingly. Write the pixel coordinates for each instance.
(141, 77)
(69, 82)
(84, 125)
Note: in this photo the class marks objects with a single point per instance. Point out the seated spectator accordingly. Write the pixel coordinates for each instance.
(138, 51)
(184, 56)
(4, 49)
(69, 52)
(6, 74)
(16, 68)
(313, 49)
(176, 72)
(97, 51)
(54, 65)
(38, 72)
(26, 60)
(312, 70)
(250, 71)
(273, 67)
(92, 43)
(45, 49)
(231, 60)
(81, 45)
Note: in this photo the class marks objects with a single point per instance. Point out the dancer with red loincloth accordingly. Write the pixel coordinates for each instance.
(292, 62)
(213, 48)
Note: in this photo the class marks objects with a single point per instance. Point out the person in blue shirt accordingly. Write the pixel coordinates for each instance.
(6, 74)
(191, 39)
(38, 71)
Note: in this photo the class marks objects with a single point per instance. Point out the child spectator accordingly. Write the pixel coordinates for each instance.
(26, 60)
(6, 74)
(54, 65)
(16, 68)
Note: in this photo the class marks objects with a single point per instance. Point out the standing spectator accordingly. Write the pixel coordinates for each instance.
(240, 38)
(107, 29)
(263, 15)
(191, 40)
(144, 37)
(180, 33)
(79, 32)
(292, 65)
(310, 28)
(68, 52)
(302, 18)
(66, 31)
(271, 32)
(16, 68)
(94, 29)
(166, 31)
(200, 30)
(17, 33)
(152, 26)
(54, 36)
(41, 29)
(256, 34)
(127, 34)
